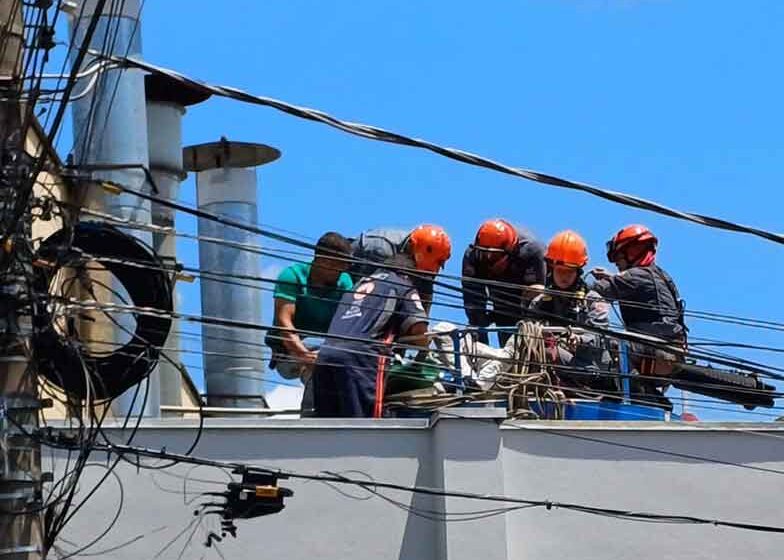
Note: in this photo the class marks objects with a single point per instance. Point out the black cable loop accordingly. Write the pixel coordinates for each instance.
(110, 374)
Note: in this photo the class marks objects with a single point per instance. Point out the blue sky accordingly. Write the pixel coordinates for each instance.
(673, 101)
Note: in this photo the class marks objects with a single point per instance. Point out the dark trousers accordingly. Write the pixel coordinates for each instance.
(500, 320)
(344, 384)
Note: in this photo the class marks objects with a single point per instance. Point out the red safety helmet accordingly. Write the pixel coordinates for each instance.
(635, 235)
(568, 249)
(494, 243)
(430, 247)
(496, 235)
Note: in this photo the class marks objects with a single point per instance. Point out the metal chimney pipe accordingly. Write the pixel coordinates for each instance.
(166, 102)
(226, 185)
(110, 123)
(110, 129)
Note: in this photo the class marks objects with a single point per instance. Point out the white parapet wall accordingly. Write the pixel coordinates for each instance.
(722, 471)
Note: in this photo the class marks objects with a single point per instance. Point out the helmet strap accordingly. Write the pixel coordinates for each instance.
(640, 254)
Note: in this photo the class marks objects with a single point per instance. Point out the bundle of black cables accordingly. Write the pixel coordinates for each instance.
(147, 283)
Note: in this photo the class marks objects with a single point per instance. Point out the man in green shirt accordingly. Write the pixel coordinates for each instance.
(306, 296)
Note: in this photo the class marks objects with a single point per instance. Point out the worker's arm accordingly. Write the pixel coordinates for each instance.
(474, 293)
(284, 320)
(598, 316)
(616, 287)
(413, 323)
(415, 336)
(530, 293)
(534, 271)
(287, 287)
(598, 311)
(424, 285)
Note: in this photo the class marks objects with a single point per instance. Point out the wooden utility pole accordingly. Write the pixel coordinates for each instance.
(21, 528)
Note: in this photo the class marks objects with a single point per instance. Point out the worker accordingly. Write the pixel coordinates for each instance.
(376, 246)
(383, 308)
(569, 302)
(507, 255)
(648, 299)
(306, 296)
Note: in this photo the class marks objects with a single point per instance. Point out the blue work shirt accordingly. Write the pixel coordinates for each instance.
(344, 379)
(383, 303)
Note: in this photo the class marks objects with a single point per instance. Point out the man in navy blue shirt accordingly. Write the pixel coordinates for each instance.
(383, 308)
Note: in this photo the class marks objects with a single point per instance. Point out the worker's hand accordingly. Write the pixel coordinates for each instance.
(600, 273)
(308, 358)
(551, 347)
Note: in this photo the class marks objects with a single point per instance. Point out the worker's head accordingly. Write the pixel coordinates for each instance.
(333, 252)
(494, 242)
(634, 245)
(566, 256)
(430, 247)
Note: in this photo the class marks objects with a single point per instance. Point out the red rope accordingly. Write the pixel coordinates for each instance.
(382, 363)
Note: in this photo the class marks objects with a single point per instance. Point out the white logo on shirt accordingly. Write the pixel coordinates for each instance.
(363, 290)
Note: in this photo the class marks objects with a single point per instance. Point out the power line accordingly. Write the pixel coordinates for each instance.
(699, 314)
(382, 135)
(763, 369)
(653, 450)
(113, 307)
(21, 201)
(711, 356)
(429, 491)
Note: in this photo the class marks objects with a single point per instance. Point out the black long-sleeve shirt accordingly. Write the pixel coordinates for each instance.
(648, 299)
(526, 267)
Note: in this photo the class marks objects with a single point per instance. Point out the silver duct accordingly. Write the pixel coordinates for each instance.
(110, 129)
(226, 185)
(166, 102)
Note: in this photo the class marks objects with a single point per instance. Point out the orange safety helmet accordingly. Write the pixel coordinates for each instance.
(568, 249)
(633, 235)
(430, 247)
(496, 234)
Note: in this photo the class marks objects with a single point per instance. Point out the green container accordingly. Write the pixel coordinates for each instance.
(410, 377)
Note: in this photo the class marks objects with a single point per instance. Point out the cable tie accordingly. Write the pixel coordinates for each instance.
(185, 277)
(111, 188)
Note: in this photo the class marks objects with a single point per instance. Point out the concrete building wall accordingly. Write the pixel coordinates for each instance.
(586, 463)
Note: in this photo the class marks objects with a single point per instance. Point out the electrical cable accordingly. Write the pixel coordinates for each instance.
(571, 370)
(127, 51)
(265, 232)
(698, 314)
(576, 507)
(380, 134)
(113, 18)
(310, 333)
(113, 374)
(26, 190)
(626, 335)
(441, 492)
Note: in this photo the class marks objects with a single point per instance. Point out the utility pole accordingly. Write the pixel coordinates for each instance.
(21, 528)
